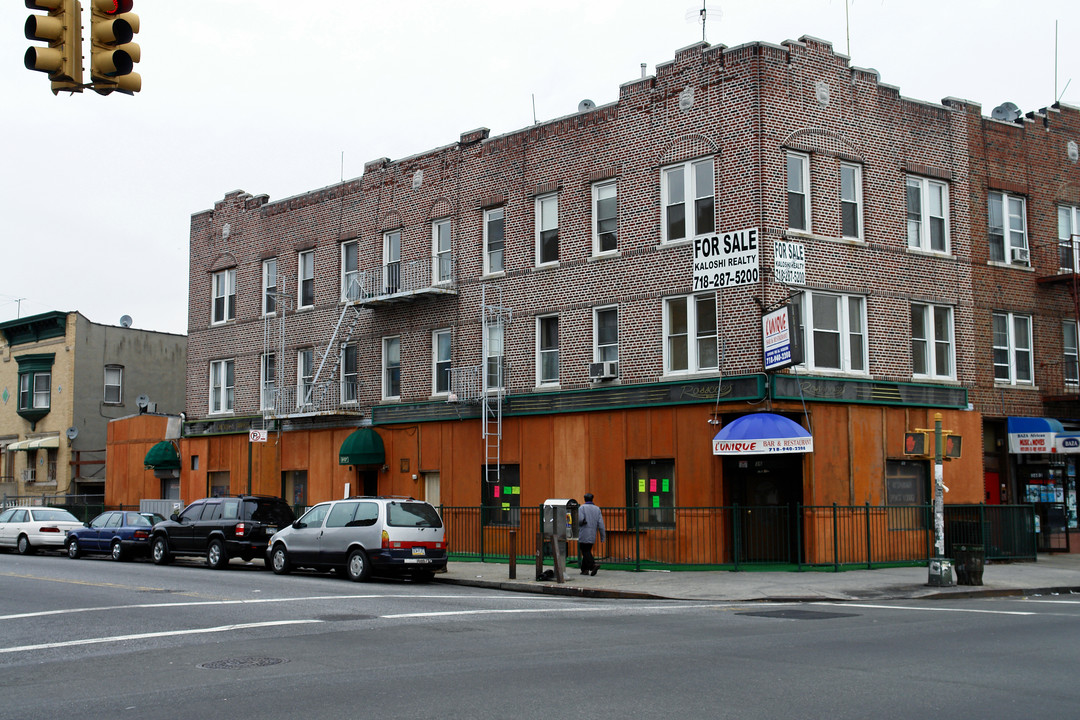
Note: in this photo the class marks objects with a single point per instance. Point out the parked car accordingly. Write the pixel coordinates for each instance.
(220, 528)
(28, 528)
(363, 535)
(121, 533)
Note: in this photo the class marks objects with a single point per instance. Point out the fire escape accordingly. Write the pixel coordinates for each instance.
(1063, 392)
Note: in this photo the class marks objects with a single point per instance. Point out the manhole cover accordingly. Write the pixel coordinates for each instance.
(799, 614)
(242, 662)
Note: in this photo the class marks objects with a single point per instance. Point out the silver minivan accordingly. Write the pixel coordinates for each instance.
(359, 536)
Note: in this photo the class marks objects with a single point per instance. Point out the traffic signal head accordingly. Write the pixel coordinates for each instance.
(917, 443)
(62, 30)
(112, 53)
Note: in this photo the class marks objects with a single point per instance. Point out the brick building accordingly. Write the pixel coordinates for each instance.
(522, 307)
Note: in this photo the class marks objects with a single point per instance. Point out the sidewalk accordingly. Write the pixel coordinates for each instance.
(1058, 573)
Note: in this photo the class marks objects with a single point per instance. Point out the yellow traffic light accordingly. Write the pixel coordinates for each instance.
(112, 53)
(62, 30)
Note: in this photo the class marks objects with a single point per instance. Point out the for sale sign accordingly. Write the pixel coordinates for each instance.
(789, 262)
(726, 260)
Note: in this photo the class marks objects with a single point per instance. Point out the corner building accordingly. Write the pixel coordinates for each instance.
(521, 308)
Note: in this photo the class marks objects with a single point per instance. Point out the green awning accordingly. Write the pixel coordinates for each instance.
(363, 447)
(162, 456)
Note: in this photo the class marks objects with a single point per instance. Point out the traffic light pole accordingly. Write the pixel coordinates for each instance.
(939, 491)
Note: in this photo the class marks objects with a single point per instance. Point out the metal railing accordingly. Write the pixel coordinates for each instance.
(332, 396)
(401, 277)
(740, 537)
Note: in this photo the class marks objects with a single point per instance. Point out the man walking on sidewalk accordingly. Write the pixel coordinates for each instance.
(590, 522)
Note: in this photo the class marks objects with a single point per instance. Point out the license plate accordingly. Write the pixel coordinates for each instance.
(418, 551)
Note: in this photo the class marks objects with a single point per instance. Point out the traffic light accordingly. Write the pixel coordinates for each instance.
(62, 30)
(112, 53)
(918, 443)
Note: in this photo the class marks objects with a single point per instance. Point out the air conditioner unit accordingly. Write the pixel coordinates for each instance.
(1020, 255)
(607, 370)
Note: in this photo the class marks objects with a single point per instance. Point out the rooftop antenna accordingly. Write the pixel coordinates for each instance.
(342, 166)
(1057, 98)
(847, 26)
(706, 12)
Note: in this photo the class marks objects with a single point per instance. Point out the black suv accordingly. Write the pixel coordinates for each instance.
(221, 528)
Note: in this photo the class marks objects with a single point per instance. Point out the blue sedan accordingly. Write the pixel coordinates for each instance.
(120, 533)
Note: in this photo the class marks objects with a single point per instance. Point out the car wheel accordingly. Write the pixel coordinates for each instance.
(117, 551)
(159, 551)
(73, 549)
(357, 567)
(216, 557)
(279, 560)
(24, 546)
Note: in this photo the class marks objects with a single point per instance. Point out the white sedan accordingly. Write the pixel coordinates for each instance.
(29, 528)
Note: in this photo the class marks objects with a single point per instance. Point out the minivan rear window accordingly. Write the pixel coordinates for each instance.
(412, 514)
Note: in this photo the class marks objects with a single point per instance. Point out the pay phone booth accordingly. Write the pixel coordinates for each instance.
(558, 524)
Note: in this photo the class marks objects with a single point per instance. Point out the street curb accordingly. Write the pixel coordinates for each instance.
(548, 589)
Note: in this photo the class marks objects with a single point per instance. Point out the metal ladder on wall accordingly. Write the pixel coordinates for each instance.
(495, 318)
(317, 391)
(274, 344)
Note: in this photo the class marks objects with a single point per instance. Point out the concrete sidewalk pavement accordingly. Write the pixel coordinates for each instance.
(1058, 573)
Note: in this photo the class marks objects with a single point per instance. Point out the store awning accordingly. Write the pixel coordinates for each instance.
(51, 442)
(363, 447)
(762, 434)
(1032, 435)
(162, 456)
(21, 445)
(1067, 443)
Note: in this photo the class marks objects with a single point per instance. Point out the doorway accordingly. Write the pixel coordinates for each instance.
(767, 491)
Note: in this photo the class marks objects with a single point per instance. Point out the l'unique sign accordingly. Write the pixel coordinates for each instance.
(729, 259)
(780, 337)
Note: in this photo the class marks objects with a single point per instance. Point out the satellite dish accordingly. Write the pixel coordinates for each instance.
(1007, 111)
(585, 105)
(143, 401)
(125, 321)
(72, 432)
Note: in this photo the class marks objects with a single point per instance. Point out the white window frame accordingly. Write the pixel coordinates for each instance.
(442, 259)
(852, 196)
(694, 190)
(350, 376)
(305, 276)
(938, 334)
(305, 375)
(118, 384)
(391, 361)
(543, 352)
(1070, 346)
(491, 216)
(598, 189)
(267, 380)
(438, 360)
(920, 224)
(547, 220)
(1012, 233)
(1017, 355)
(269, 286)
(350, 277)
(803, 189)
(811, 326)
(223, 290)
(392, 262)
(696, 343)
(605, 352)
(1068, 238)
(219, 383)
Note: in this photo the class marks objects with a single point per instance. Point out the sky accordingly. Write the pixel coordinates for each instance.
(265, 96)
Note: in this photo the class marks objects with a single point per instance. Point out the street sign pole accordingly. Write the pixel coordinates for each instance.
(939, 491)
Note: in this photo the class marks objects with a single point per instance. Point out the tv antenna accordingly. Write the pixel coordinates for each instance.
(707, 12)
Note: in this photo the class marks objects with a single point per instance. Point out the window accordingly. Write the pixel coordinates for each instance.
(35, 385)
(441, 349)
(547, 350)
(927, 215)
(650, 492)
(932, 341)
(493, 241)
(305, 376)
(1068, 237)
(501, 501)
(267, 381)
(907, 491)
(688, 200)
(392, 262)
(850, 201)
(443, 267)
(269, 286)
(350, 373)
(1072, 356)
(305, 279)
(1012, 349)
(294, 487)
(350, 271)
(1008, 229)
(224, 301)
(834, 332)
(606, 334)
(798, 191)
(547, 229)
(690, 334)
(494, 364)
(605, 218)
(222, 381)
(114, 383)
(391, 367)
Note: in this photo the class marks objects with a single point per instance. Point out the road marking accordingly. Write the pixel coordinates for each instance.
(145, 636)
(929, 609)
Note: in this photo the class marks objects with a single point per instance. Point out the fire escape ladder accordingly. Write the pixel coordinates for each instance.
(495, 319)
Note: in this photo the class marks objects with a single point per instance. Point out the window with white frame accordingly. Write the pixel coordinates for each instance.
(606, 334)
(547, 350)
(690, 334)
(443, 260)
(114, 384)
(391, 364)
(547, 229)
(493, 240)
(834, 331)
(305, 376)
(1068, 238)
(688, 200)
(1008, 229)
(798, 191)
(305, 284)
(222, 381)
(932, 353)
(350, 270)
(851, 201)
(1071, 347)
(927, 214)
(392, 262)
(267, 381)
(35, 389)
(223, 307)
(494, 357)
(441, 360)
(269, 286)
(605, 205)
(1012, 349)
(350, 373)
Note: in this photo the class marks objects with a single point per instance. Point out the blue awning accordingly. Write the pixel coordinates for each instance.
(1032, 435)
(762, 433)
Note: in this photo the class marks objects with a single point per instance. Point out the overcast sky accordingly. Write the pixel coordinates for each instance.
(267, 97)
